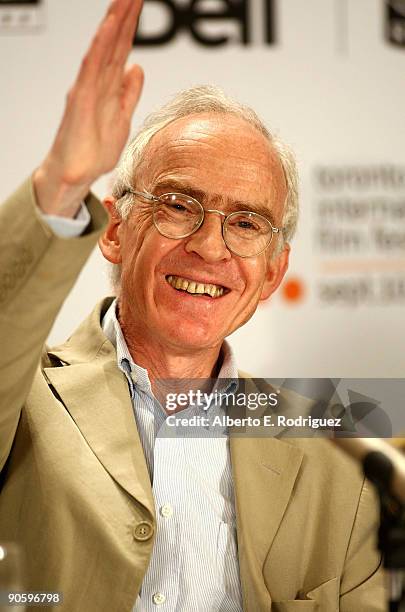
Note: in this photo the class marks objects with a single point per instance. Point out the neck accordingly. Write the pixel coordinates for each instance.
(168, 362)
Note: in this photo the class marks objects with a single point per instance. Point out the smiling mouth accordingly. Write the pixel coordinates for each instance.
(195, 288)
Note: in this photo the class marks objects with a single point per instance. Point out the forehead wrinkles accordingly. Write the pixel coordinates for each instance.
(239, 143)
(205, 167)
(184, 157)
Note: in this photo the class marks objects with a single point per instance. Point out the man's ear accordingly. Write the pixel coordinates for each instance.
(109, 242)
(277, 267)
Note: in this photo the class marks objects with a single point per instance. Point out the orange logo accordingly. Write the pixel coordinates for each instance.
(293, 290)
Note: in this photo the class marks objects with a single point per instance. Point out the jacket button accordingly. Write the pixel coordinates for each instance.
(143, 531)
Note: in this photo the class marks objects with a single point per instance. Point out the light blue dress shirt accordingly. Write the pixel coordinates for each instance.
(194, 565)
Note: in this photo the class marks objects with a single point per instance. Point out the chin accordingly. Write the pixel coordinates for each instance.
(193, 337)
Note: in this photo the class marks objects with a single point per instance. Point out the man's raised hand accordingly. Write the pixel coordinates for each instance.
(97, 118)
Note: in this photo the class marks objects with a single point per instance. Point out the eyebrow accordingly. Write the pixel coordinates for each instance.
(173, 185)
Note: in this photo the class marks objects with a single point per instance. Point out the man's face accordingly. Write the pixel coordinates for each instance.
(229, 166)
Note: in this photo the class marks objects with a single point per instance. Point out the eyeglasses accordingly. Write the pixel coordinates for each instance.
(175, 215)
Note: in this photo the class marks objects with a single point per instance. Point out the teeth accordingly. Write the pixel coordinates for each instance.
(195, 288)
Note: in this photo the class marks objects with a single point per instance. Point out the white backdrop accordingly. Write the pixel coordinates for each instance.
(334, 89)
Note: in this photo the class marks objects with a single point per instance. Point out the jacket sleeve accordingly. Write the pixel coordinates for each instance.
(37, 271)
(363, 582)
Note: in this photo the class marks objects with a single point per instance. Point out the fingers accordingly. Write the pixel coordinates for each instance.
(123, 12)
(127, 33)
(107, 38)
(114, 73)
(100, 44)
(132, 88)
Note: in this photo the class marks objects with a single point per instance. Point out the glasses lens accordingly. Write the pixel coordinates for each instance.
(247, 234)
(176, 215)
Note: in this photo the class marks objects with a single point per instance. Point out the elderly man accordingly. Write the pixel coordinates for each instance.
(106, 512)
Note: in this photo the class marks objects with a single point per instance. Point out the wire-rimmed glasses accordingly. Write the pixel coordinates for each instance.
(175, 215)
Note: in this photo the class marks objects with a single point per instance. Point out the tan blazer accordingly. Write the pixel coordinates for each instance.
(75, 487)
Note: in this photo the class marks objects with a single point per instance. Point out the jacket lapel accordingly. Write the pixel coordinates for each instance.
(95, 393)
(264, 470)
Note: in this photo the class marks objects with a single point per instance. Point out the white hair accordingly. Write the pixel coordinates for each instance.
(201, 99)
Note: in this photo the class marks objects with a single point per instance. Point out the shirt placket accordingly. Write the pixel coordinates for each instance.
(160, 586)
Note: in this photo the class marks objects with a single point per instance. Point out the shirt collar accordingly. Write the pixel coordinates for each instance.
(139, 377)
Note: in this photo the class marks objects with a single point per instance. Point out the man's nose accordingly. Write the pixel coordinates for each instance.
(208, 241)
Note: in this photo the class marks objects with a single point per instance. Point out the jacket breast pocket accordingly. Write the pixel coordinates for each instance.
(324, 598)
(295, 606)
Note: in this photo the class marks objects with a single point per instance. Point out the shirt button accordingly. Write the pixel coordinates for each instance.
(166, 510)
(158, 599)
(143, 531)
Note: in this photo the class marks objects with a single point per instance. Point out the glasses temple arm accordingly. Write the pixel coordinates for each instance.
(142, 194)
